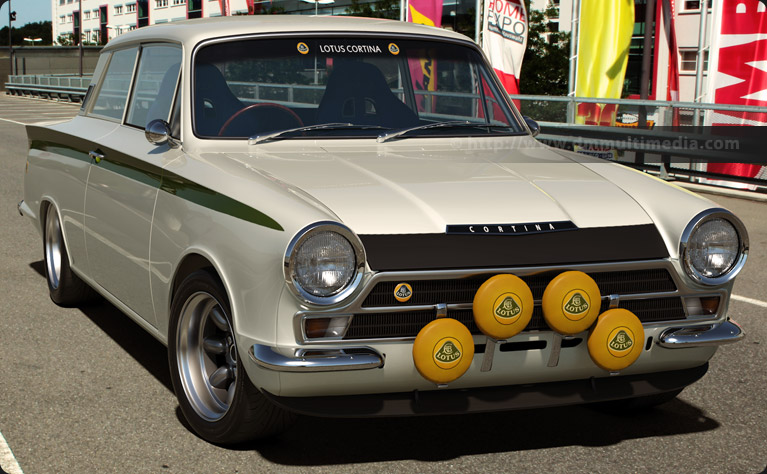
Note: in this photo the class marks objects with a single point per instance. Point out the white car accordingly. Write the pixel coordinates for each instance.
(348, 217)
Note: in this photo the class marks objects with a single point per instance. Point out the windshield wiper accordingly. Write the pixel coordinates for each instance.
(321, 126)
(450, 124)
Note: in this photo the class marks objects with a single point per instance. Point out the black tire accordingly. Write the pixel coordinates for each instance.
(631, 406)
(201, 312)
(64, 287)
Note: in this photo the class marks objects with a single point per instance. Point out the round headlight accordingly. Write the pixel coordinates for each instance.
(714, 247)
(324, 263)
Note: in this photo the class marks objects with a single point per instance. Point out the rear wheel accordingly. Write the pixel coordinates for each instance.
(65, 288)
(213, 390)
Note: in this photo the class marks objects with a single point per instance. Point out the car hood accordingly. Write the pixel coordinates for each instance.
(416, 187)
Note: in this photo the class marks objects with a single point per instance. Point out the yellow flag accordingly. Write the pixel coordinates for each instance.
(605, 29)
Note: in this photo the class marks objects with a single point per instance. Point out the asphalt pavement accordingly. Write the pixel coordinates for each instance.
(85, 390)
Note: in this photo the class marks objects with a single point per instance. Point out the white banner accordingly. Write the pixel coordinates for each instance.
(504, 39)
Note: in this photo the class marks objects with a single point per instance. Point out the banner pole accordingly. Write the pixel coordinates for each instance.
(699, 62)
(573, 77)
(477, 24)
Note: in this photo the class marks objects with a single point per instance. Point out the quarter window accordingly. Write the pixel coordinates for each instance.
(113, 92)
(155, 83)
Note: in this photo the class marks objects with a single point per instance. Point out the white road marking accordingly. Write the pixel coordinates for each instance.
(763, 304)
(12, 121)
(8, 462)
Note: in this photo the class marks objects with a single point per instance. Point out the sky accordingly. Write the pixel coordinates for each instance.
(27, 11)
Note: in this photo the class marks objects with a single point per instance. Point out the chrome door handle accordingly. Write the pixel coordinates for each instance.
(96, 156)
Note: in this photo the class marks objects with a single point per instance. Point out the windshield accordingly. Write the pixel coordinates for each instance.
(363, 87)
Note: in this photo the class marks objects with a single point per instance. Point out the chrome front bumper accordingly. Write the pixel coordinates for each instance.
(317, 360)
(362, 358)
(699, 336)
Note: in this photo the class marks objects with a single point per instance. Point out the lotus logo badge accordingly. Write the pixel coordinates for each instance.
(302, 48)
(447, 353)
(403, 292)
(575, 305)
(507, 308)
(620, 342)
(393, 49)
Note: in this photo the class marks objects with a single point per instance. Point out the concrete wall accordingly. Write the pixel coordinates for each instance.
(48, 60)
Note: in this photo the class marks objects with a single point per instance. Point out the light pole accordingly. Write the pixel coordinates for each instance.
(80, 35)
(318, 2)
(11, 18)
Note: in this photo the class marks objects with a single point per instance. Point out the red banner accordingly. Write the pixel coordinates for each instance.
(738, 69)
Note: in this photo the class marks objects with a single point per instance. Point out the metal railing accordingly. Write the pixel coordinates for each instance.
(71, 88)
(649, 148)
(656, 147)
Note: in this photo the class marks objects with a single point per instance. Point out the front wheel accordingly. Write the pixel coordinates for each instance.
(213, 390)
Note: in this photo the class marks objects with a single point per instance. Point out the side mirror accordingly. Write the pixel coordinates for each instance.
(535, 129)
(157, 132)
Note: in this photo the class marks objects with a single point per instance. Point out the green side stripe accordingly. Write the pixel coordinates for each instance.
(59, 149)
(131, 168)
(193, 192)
(156, 177)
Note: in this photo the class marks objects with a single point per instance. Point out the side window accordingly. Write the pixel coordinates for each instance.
(155, 84)
(103, 60)
(111, 98)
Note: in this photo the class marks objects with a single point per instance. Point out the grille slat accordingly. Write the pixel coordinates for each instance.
(462, 290)
(407, 323)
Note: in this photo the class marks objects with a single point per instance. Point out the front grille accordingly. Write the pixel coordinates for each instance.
(407, 323)
(462, 290)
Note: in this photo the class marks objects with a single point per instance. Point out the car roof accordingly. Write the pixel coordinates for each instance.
(191, 32)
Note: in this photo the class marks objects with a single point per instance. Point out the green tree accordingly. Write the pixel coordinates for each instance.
(40, 30)
(378, 9)
(66, 39)
(545, 67)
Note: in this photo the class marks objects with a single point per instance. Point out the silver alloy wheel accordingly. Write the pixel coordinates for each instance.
(207, 356)
(53, 246)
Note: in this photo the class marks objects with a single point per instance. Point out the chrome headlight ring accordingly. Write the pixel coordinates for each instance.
(290, 264)
(694, 225)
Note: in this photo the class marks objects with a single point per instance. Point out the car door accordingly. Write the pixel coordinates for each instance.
(125, 176)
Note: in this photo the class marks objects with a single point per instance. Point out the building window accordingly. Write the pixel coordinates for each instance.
(69, 18)
(118, 9)
(95, 13)
(130, 8)
(162, 3)
(693, 5)
(179, 2)
(689, 61)
(87, 15)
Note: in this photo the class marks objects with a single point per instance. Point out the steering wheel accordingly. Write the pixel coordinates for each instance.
(282, 108)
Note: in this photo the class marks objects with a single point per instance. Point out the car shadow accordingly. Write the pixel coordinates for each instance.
(139, 344)
(440, 438)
